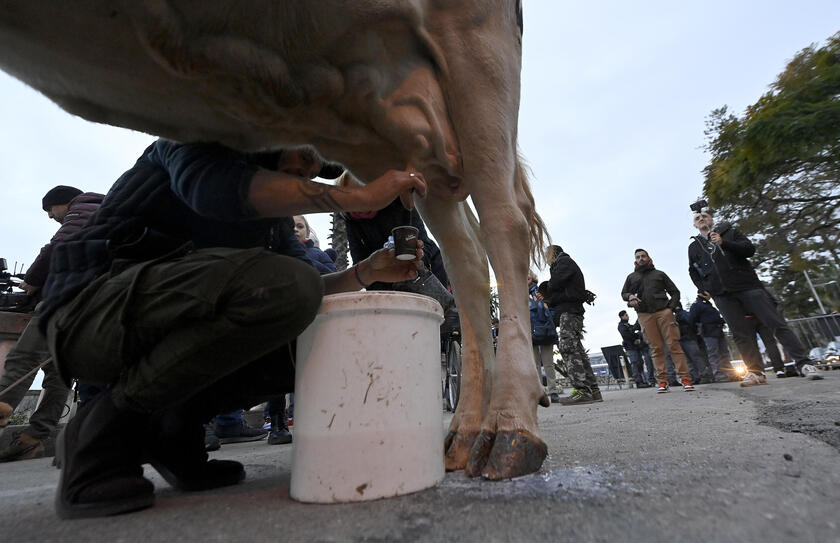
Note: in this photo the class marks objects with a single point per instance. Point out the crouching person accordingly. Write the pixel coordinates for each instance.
(182, 295)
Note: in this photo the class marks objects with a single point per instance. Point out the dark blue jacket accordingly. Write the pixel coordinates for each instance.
(688, 328)
(319, 258)
(175, 198)
(543, 331)
(709, 319)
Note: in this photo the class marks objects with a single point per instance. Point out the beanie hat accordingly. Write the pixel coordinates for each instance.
(59, 195)
(622, 312)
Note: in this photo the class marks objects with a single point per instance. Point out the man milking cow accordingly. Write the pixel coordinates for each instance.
(183, 295)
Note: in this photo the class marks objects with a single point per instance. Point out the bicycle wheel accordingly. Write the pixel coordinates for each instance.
(453, 374)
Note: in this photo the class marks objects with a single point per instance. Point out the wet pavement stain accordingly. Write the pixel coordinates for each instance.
(574, 483)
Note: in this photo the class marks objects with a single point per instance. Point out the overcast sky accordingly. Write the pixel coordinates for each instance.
(614, 98)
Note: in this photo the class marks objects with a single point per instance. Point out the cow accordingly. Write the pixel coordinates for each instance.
(425, 85)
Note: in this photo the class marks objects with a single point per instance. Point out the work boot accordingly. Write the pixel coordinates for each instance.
(100, 463)
(279, 434)
(176, 449)
(596, 395)
(23, 447)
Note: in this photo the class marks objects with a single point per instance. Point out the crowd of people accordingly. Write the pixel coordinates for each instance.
(174, 302)
(669, 346)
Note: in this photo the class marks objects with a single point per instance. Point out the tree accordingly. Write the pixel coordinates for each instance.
(776, 171)
(338, 240)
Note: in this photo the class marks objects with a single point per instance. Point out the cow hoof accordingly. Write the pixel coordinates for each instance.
(479, 453)
(506, 455)
(456, 449)
(545, 401)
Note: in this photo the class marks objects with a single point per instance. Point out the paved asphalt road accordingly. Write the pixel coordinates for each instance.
(720, 464)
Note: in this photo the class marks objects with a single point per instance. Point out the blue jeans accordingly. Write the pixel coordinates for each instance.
(229, 423)
(640, 359)
(719, 360)
(696, 361)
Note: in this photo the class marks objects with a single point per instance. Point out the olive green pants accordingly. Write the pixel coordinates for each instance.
(216, 323)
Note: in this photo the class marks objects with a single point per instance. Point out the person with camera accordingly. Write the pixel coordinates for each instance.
(566, 294)
(704, 314)
(183, 295)
(655, 297)
(637, 351)
(718, 264)
(71, 208)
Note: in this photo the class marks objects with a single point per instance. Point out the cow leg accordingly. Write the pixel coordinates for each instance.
(509, 444)
(456, 230)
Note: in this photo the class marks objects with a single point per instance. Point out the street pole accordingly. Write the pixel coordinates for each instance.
(814, 292)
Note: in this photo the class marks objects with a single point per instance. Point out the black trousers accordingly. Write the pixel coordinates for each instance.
(735, 306)
(212, 328)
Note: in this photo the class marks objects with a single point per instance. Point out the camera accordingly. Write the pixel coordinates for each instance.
(698, 206)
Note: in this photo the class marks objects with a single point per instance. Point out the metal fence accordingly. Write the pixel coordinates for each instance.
(816, 331)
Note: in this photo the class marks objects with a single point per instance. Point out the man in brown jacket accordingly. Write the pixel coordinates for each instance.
(71, 208)
(648, 290)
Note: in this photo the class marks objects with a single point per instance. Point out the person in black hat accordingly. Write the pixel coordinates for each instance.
(183, 295)
(71, 208)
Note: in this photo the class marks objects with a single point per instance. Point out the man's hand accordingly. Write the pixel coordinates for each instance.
(383, 266)
(28, 288)
(382, 191)
(715, 237)
(633, 300)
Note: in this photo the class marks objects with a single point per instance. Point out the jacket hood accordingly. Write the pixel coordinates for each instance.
(86, 198)
(646, 267)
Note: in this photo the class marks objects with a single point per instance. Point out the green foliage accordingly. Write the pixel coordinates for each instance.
(775, 171)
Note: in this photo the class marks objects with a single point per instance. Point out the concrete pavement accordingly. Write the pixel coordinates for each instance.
(720, 464)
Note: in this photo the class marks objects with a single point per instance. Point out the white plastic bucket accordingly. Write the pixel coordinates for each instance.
(368, 420)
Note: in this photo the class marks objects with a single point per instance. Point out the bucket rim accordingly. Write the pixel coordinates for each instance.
(383, 300)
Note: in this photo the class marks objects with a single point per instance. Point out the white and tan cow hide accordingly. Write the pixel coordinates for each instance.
(431, 85)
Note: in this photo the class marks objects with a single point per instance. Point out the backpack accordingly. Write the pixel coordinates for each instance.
(543, 331)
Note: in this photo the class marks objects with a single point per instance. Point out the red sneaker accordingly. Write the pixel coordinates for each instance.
(663, 387)
(687, 386)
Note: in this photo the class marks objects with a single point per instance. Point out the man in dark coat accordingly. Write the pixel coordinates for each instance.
(654, 296)
(183, 294)
(566, 294)
(718, 264)
(71, 208)
(637, 351)
(704, 314)
(697, 364)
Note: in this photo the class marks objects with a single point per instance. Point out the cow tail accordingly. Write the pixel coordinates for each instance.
(539, 237)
